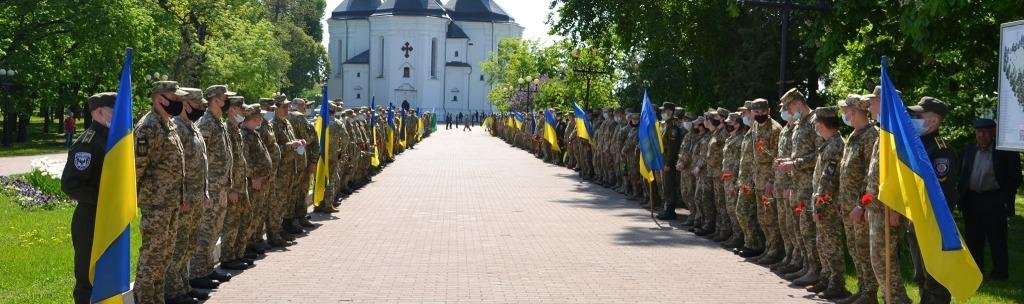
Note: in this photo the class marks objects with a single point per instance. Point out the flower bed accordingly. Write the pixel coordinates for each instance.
(39, 188)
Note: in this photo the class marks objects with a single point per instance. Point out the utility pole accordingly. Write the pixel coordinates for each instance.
(589, 73)
(787, 7)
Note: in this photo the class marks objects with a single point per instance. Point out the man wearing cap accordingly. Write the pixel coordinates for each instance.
(710, 165)
(266, 205)
(685, 158)
(927, 117)
(746, 205)
(800, 166)
(629, 154)
(825, 210)
(766, 141)
(220, 161)
(670, 178)
(239, 209)
(304, 130)
(865, 236)
(784, 222)
(176, 289)
(618, 141)
(697, 213)
(987, 188)
(81, 182)
(159, 164)
(261, 174)
(730, 166)
(291, 163)
(333, 143)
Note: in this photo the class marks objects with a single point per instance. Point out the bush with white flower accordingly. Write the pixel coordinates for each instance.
(39, 188)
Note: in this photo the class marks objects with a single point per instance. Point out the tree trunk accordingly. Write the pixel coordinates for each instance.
(23, 127)
(47, 114)
(8, 132)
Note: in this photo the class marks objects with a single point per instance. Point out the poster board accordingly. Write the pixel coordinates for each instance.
(1010, 135)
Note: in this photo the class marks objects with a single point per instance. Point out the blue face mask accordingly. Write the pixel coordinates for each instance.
(846, 121)
(268, 116)
(798, 115)
(785, 115)
(239, 118)
(301, 150)
(746, 121)
(919, 126)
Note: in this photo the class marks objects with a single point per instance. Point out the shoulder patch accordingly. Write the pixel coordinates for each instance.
(941, 166)
(82, 160)
(141, 146)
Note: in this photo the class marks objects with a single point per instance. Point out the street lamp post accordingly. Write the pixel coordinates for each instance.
(529, 85)
(8, 85)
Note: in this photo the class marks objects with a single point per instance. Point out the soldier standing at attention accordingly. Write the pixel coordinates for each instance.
(730, 166)
(159, 164)
(670, 178)
(304, 130)
(81, 182)
(219, 158)
(712, 169)
(239, 213)
(800, 166)
(785, 223)
(261, 174)
(825, 211)
(291, 163)
(746, 205)
(853, 179)
(766, 142)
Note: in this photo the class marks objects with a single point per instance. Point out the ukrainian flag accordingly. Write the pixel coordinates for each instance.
(488, 122)
(518, 121)
(649, 136)
(117, 203)
(321, 179)
(390, 145)
(908, 185)
(583, 127)
(401, 130)
(374, 159)
(419, 125)
(549, 130)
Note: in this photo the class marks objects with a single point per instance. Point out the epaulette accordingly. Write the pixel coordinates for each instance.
(86, 136)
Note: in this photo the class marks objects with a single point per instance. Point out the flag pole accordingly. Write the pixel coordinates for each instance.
(888, 285)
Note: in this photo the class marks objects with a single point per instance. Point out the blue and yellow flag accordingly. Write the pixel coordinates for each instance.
(908, 185)
(518, 121)
(549, 130)
(649, 136)
(401, 129)
(390, 145)
(321, 178)
(117, 203)
(419, 125)
(374, 159)
(583, 127)
(488, 122)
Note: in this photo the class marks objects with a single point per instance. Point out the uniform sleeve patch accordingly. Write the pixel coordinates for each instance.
(82, 160)
(141, 146)
(941, 167)
(830, 170)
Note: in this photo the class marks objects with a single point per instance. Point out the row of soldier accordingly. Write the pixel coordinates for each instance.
(218, 175)
(780, 195)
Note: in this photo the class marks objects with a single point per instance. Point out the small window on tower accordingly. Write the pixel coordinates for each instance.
(405, 72)
(358, 96)
(456, 53)
(357, 74)
(481, 77)
(455, 98)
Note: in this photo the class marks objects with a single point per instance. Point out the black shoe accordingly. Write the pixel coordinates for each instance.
(666, 216)
(181, 299)
(701, 232)
(748, 253)
(250, 262)
(219, 276)
(199, 295)
(295, 230)
(287, 237)
(282, 243)
(235, 265)
(203, 283)
(251, 255)
(304, 222)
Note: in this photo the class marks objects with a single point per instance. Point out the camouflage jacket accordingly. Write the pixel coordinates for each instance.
(745, 177)
(804, 155)
(853, 169)
(731, 158)
(239, 166)
(196, 165)
(306, 130)
(283, 134)
(784, 150)
(159, 162)
(266, 132)
(712, 160)
(256, 155)
(218, 152)
(826, 172)
(766, 143)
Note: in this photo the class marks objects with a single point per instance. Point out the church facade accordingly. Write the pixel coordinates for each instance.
(420, 52)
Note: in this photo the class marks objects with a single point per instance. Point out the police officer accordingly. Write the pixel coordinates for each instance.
(81, 182)
(670, 178)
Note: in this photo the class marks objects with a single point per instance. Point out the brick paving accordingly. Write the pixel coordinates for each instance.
(466, 218)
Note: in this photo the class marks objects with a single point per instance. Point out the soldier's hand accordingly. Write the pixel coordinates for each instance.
(233, 197)
(680, 168)
(815, 217)
(257, 184)
(311, 169)
(894, 218)
(695, 171)
(857, 215)
(769, 189)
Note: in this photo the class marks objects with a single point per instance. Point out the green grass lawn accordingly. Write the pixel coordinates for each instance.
(40, 142)
(36, 255)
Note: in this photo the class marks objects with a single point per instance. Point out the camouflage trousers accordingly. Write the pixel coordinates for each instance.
(158, 230)
(299, 206)
(788, 225)
(184, 248)
(806, 227)
(583, 157)
(723, 223)
(210, 229)
(876, 232)
(268, 212)
(705, 199)
(235, 224)
(731, 209)
(687, 187)
(830, 248)
(769, 221)
(747, 210)
(859, 246)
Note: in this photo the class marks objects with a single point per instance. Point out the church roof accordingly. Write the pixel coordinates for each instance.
(454, 31)
(362, 58)
(411, 8)
(477, 10)
(355, 9)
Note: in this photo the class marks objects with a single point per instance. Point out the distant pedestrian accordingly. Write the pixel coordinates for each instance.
(459, 119)
(69, 129)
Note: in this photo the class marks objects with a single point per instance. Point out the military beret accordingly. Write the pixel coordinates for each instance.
(278, 97)
(236, 101)
(733, 117)
(252, 111)
(215, 90)
(105, 99)
(746, 105)
(758, 104)
(984, 123)
(822, 113)
(192, 96)
(668, 105)
(930, 104)
(856, 101)
(168, 87)
(790, 96)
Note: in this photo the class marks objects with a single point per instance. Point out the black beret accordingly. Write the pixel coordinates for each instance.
(105, 99)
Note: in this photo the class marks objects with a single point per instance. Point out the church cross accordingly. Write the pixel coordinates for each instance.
(407, 48)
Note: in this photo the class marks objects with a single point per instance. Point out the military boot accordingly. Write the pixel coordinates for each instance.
(809, 278)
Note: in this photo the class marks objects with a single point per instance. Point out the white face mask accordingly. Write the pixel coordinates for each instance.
(301, 150)
(268, 116)
(687, 125)
(665, 116)
(785, 115)
(605, 115)
(239, 118)
(618, 119)
(746, 121)
(919, 126)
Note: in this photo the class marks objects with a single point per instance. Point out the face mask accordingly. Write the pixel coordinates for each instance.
(605, 115)
(785, 116)
(173, 108)
(618, 119)
(665, 116)
(919, 126)
(761, 118)
(361, 117)
(687, 125)
(301, 150)
(268, 116)
(715, 122)
(225, 107)
(195, 115)
(846, 121)
(239, 118)
(746, 121)
(798, 115)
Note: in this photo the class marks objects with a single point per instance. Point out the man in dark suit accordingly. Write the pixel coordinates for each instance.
(988, 185)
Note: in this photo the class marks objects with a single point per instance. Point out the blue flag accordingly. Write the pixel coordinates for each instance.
(650, 141)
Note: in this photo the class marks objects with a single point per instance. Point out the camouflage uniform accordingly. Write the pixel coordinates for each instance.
(239, 214)
(829, 224)
(303, 130)
(687, 180)
(260, 160)
(786, 224)
(730, 167)
(632, 164)
(804, 156)
(159, 163)
(288, 169)
(766, 142)
(746, 202)
(220, 160)
(703, 194)
(876, 234)
(268, 204)
(852, 176)
(711, 166)
(196, 195)
(621, 135)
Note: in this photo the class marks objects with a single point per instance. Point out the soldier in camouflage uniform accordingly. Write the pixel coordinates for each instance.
(713, 171)
(267, 204)
(730, 166)
(239, 213)
(700, 195)
(825, 211)
(261, 171)
(800, 166)
(746, 204)
(304, 130)
(853, 170)
(766, 140)
(686, 180)
(632, 159)
(785, 221)
(159, 164)
(621, 134)
(293, 161)
(176, 288)
(219, 158)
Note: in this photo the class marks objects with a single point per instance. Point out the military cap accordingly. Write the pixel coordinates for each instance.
(680, 110)
(266, 102)
(334, 106)
(347, 112)
(790, 96)
(668, 105)
(699, 120)
(215, 90)
(721, 112)
(236, 101)
(930, 104)
(105, 99)
(746, 105)
(193, 96)
(823, 113)
(856, 101)
(168, 87)
(690, 115)
(984, 123)
(301, 101)
(733, 117)
(281, 102)
(758, 104)
(252, 111)
(278, 97)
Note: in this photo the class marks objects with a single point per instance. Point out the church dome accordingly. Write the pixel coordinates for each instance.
(411, 8)
(355, 9)
(477, 10)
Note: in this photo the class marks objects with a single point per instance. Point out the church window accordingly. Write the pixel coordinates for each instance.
(358, 96)
(456, 54)
(481, 77)
(433, 57)
(381, 75)
(357, 74)
(455, 98)
(405, 72)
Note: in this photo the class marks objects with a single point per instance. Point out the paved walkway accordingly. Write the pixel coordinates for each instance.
(466, 218)
(22, 164)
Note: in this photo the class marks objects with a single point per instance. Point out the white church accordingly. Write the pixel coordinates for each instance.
(419, 52)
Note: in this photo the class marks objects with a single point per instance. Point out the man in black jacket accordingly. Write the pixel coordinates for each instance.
(81, 182)
(988, 185)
